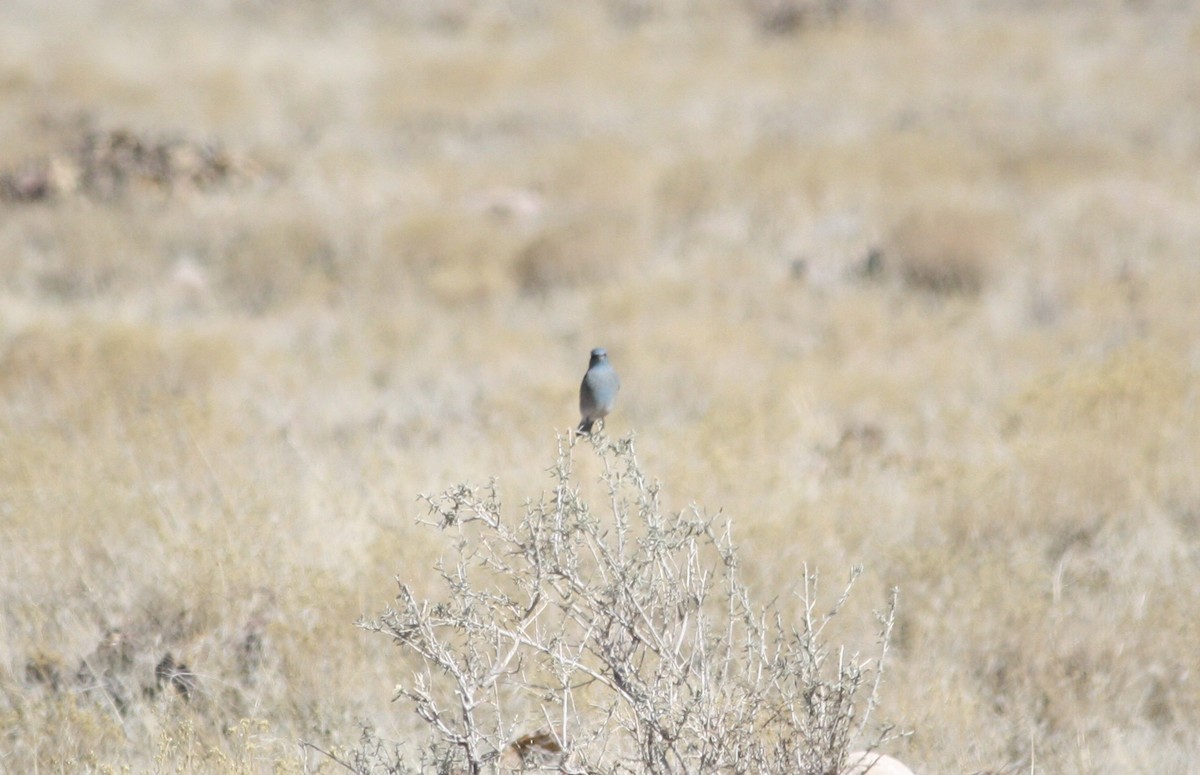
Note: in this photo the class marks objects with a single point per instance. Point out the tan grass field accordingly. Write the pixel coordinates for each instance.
(915, 286)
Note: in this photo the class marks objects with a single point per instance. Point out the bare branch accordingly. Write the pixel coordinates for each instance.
(625, 636)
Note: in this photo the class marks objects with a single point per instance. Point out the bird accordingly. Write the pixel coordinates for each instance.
(598, 391)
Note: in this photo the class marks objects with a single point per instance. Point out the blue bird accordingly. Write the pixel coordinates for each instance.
(598, 391)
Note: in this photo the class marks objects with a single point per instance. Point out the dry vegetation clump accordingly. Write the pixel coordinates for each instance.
(284, 259)
(1138, 394)
(126, 667)
(947, 251)
(785, 17)
(105, 164)
(71, 385)
(597, 249)
(459, 257)
(626, 634)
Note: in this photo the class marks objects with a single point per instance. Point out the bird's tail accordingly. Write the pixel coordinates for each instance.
(585, 426)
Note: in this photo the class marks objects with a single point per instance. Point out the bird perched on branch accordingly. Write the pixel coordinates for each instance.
(598, 391)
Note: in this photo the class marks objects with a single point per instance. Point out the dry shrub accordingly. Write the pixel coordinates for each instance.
(1053, 656)
(593, 249)
(688, 193)
(78, 373)
(278, 260)
(99, 420)
(1125, 394)
(151, 658)
(618, 639)
(782, 17)
(947, 251)
(461, 257)
(80, 250)
(109, 163)
(779, 184)
(1081, 429)
(792, 200)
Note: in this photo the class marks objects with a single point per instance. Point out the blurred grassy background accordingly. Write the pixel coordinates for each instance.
(911, 285)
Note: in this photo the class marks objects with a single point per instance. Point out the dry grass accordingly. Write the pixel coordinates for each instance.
(907, 285)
